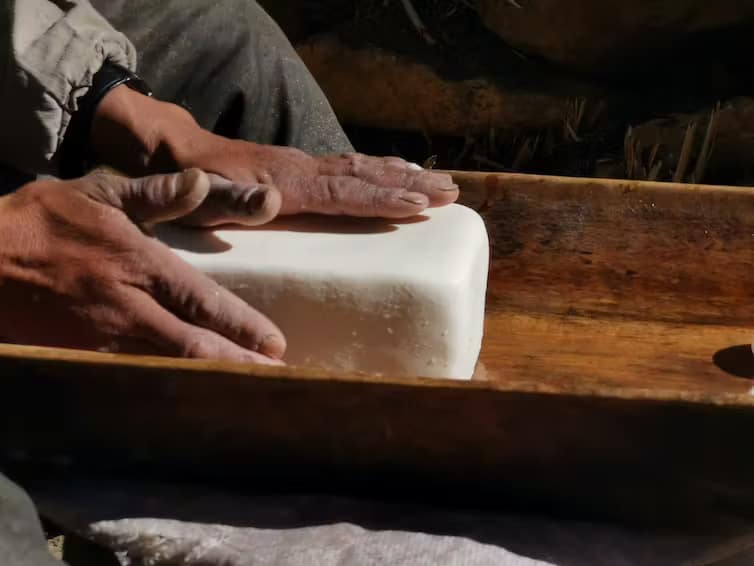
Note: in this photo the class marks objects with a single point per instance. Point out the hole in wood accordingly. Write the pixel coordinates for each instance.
(736, 360)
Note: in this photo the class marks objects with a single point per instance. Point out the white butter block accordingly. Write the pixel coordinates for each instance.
(359, 295)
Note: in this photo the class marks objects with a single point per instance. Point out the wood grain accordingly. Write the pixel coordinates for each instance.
(622, 283)
(616, 376)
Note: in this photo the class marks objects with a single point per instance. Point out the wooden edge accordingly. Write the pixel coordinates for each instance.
(470, 182)
(480, 180)
(58, 356)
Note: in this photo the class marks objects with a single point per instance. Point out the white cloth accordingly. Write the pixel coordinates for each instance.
(166, 525)
(161, 542)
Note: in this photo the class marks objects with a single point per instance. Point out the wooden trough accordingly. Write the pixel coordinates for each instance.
(615, 379)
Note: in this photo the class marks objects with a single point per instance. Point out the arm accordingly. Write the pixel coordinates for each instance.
(54, 48)
(49, 54)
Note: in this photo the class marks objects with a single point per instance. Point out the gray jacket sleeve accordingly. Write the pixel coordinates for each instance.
(49, 52)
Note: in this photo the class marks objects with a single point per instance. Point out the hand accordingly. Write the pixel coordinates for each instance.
(349, 184)
(77, 271)
(139, 135)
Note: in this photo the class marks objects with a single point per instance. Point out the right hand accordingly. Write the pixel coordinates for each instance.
(77, 271)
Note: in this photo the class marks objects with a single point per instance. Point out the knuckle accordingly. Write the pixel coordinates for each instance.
(350, 164)
(40, 194)
(164, 187)
(376, 200)
(98, 176)
(105, 187)
(205, 305)
(354, 196)
(197, 301)
(135, 268)
(155, 190)
(356, 163)
(199, 308)
(198, 345)
(265, 178)
(331, 191)
(124, 315)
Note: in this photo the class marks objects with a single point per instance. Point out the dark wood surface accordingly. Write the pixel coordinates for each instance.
(618, 283)
(615, 377)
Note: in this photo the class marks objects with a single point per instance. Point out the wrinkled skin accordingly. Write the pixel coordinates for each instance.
(349, 184)
(77, 270)
(139, 135)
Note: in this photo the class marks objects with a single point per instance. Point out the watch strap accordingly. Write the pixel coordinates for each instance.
(76, 152)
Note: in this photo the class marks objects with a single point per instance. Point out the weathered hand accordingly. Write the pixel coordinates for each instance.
(350, 184)
(77, 271)
(139, 135)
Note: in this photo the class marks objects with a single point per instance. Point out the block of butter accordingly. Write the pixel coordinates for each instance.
(397, 298)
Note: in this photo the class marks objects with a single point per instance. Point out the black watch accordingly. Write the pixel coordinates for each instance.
(75, 151)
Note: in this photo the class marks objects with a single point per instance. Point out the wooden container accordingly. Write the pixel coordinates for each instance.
(615, 378)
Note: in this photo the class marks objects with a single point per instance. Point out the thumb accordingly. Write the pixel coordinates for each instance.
(156, 198)
(230, 202)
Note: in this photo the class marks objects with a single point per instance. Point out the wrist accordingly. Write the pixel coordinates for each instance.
(76, 154)
(139, 135)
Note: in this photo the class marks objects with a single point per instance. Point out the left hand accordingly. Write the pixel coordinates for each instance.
(140, 135)
(349, 184)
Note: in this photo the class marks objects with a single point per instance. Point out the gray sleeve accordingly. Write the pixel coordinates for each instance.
(50, 51)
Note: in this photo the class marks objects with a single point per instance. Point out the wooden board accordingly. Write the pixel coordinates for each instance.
(615, 377)
(618, 283)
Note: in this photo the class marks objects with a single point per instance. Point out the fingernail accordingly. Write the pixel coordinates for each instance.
(255, 199)
(415, 167)
(418, 199)
(450, 188)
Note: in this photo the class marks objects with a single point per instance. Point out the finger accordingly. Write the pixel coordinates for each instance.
(153, 199)
(229, 202)
(168, 335)
(354, 197)
(393, 172)
(200, 301)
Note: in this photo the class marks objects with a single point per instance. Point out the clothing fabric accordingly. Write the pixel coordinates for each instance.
(49, 52)
(227, 62)
(22, 541)
(190, 524)
(232, 67)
